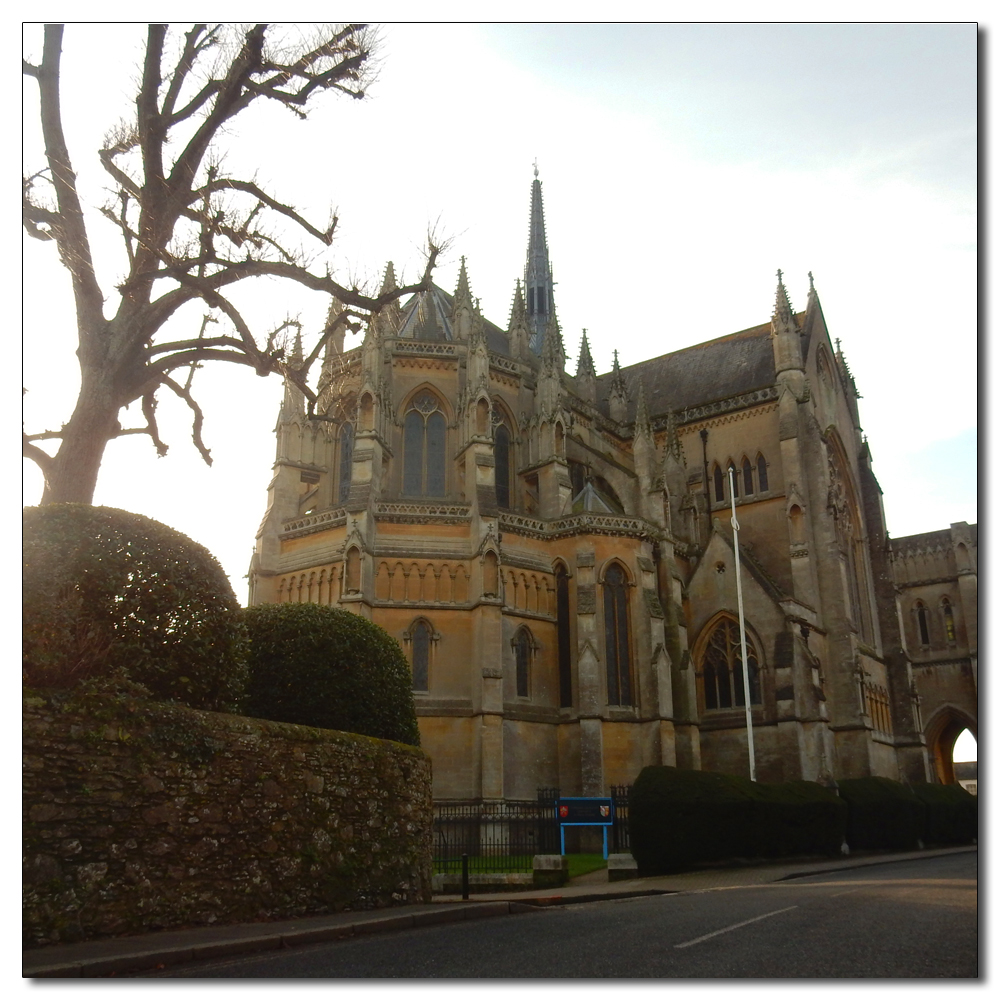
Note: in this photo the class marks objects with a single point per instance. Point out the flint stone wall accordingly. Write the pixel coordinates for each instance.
(139, 816)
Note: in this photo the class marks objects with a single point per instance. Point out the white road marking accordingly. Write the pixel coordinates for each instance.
(732, 927)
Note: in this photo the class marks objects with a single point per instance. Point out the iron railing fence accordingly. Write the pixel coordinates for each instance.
(505, 835)
(618, 841)
(500, 836)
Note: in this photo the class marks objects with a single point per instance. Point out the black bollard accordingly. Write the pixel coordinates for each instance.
(465, 876)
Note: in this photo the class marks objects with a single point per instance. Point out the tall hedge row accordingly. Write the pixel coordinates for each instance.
(883, 814)
(887, 814)
(325, 667)
(952, 814)
(680, 818)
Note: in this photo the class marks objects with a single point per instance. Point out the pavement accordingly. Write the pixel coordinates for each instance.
(159, 950)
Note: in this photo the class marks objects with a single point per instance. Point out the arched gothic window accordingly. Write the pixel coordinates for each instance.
(501, 455)
(616, 636)
(948, 613)
(562, 631)
(747, 477)
(722, 668)
(923, 624)
(720, 492)
(346, 461)
(523, 648)
(420, 636)
(424, 430)
(761, 474)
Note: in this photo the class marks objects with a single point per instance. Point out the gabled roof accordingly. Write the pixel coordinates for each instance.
(715, 369)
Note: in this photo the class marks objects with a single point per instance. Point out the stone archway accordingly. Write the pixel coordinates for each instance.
(944, 728)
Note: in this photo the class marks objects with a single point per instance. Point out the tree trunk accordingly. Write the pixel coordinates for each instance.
(72, 477)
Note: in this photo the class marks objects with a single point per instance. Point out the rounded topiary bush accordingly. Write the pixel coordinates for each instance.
(110, 592)
(326, 667)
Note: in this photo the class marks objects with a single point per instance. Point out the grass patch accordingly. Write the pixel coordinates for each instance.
(581, 864)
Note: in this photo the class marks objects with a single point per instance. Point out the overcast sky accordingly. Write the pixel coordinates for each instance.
(682, 165)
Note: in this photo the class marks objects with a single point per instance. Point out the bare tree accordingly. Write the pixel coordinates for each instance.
(190, 231)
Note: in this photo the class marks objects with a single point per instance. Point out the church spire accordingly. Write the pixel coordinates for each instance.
(538, 282)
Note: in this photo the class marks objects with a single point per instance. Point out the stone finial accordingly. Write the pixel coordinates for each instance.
(585, 363)
(463, 295)
(782, 306)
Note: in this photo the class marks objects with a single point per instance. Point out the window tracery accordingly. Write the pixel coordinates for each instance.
(424, 434)
(722, 668)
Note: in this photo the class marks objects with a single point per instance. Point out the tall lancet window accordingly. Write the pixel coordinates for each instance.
(501, 455)
(720, 493)
(523, 646)
(616, 639)
(346, 461)
(424, 430)
(761, 474)
(563, 634)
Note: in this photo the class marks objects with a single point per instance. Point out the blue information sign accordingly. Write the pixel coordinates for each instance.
(580, 811)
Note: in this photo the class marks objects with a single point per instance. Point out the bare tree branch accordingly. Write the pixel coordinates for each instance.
(196, 422)
(42, 459)
(190, 231)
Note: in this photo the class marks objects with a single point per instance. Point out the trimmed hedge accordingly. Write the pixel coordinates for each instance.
(951, 814)
(107, 592)
(326, 667)
(882, 814)
(679, 819)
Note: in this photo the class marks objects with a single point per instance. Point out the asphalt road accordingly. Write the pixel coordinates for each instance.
(914, 919)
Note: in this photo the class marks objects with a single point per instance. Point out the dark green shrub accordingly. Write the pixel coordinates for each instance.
(798, 817)
(326, 667)
(681, 818)
(882, 813)
(952, 814)
(678, 819)
(110, 592)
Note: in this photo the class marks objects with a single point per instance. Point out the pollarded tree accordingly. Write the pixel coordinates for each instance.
(191, 232)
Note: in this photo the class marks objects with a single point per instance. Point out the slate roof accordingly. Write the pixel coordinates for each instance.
(716, 369)
(441, 301)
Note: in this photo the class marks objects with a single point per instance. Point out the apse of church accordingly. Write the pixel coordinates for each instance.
(554, 551)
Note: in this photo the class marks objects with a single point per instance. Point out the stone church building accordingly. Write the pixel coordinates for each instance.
(554, 552)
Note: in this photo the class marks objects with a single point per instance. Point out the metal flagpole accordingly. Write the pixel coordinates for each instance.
(743, 629)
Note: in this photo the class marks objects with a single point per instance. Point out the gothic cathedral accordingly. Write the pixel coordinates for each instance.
(555, 553)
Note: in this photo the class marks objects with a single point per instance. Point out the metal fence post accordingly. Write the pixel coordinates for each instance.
(465, 876)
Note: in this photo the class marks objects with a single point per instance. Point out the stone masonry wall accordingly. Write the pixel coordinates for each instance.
(140, 816)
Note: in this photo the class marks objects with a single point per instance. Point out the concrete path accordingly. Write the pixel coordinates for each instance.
(164, 948)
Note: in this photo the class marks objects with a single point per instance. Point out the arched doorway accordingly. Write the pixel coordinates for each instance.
(942, 732)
